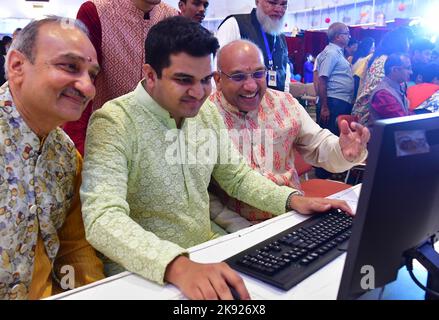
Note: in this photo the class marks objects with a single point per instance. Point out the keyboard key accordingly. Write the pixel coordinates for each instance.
(305, 262)
(312, 246)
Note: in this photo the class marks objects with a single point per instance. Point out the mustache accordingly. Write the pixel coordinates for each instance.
(75, 93)
(189, 98)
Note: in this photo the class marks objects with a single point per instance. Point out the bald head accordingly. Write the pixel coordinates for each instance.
(241, 75)
(236, 48)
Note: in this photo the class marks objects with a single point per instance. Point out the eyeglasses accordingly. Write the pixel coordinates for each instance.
(242, 76)
(345, 33)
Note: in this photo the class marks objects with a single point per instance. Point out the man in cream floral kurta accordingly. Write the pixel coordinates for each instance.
(41, 228)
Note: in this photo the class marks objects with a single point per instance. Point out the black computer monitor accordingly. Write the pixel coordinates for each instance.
(398, 208)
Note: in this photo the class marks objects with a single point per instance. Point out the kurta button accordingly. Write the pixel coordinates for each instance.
(23, 248)
(33, 209)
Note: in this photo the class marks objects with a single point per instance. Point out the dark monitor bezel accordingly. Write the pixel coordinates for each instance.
(379, 232)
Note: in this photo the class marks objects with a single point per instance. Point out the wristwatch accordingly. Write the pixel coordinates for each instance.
(287, 205)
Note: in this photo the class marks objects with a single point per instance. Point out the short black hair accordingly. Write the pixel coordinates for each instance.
(352, 41)
(394, 60)
(175, 35)
(430, 72)
(6, 39)
(363, 48)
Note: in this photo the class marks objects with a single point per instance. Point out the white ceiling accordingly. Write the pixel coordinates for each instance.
(217, 8)
(25, 9)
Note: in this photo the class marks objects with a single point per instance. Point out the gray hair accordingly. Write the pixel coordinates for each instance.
(27, 38)
(246, 41)
(335, 29)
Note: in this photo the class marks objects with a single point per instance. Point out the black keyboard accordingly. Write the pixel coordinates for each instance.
(292, 255)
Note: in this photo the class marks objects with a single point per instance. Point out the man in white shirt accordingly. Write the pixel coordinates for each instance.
(263, 26)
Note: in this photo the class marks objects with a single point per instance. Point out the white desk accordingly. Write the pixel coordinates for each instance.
(323, 284)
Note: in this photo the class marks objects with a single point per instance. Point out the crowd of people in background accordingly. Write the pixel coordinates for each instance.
(420, 54)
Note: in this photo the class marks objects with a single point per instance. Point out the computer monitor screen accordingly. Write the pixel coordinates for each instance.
(398, 208)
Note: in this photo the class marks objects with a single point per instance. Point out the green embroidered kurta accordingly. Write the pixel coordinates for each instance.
(142, 207)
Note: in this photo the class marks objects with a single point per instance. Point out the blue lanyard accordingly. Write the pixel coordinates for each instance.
(267, 47)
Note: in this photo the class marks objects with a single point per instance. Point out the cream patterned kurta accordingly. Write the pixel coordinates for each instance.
(140, 209)
(292, 128)
(36, 191)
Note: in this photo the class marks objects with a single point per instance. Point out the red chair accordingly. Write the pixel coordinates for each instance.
(316, 187)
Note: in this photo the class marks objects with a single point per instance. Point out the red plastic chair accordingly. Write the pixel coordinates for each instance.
(316, 187)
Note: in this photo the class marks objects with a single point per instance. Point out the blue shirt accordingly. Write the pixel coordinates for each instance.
(332, 64)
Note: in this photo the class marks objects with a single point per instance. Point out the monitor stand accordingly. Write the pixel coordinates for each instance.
(429, 258)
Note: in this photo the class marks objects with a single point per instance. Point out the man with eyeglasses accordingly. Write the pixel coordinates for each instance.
(263, 26)
(335, 83)
(389, 99)
(193, 9)
(266, 126)
(149, 162)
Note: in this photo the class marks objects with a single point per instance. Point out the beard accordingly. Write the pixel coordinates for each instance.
(270, 26)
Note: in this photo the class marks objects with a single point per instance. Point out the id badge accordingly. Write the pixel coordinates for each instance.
(272, 78)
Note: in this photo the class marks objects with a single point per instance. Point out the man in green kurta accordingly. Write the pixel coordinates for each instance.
(149, 159)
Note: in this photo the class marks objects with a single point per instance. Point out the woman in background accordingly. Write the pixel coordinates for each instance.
(360, 62)
(350, 50)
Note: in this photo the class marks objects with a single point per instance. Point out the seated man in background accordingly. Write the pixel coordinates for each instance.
(150, 156)
(51, 68)
(421, 50)
(267, 125)
(389, 100)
